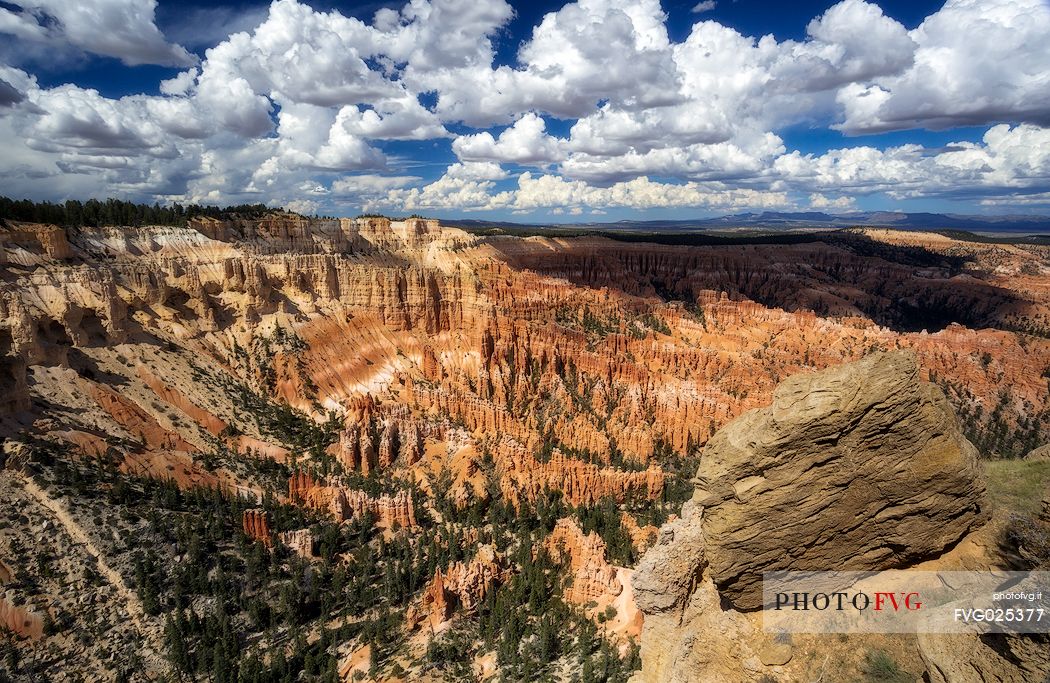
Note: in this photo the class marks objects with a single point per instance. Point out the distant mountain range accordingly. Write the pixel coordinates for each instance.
(798, 220)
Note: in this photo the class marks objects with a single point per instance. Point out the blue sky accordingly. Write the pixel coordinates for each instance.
(586, 111)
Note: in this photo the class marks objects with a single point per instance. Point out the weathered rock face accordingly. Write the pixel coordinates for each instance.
(996, 657)
(282, 232)
(49, 239)
(464, 585)
(670, 570)
(344, 503)
(592, 575)
(1040, 453)
(299, 541)
(14, 390)
(862, 466)
(859, 467)
(256, 524)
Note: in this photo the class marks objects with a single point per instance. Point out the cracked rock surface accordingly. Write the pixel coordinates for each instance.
(861, 466)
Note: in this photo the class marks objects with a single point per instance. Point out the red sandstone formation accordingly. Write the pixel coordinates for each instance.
(592, 576)
(137, 422)
(471, 581)
(464, 586)
(434, 605)
(641, 536)
(85, 443)
(176, 398)
(301, 486)
(382, 321)
(489, 335)
(248, 445)
(175, 466)
(391, 511)
(593, 582)
(256, 525)
(514, 366)
(344, 503)
(581, 483)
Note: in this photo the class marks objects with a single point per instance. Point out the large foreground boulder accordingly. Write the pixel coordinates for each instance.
(861, 466)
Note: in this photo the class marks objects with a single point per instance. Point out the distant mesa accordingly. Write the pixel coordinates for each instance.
(779, 220)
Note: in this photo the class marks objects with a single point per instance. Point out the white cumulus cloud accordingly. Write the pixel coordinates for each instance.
(301, 104)
(124, 29)
(526, 142)
(977, 62)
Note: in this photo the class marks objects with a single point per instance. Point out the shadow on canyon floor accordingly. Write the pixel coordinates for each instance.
(833, 273)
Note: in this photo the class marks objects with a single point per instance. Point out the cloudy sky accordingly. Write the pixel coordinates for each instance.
(591, 110)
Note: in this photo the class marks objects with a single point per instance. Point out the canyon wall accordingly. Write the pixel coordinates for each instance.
(423, 376)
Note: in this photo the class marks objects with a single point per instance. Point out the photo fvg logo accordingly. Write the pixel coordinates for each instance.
(877, 601)
(906, 601)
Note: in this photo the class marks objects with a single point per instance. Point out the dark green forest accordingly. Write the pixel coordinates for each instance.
(95, 213)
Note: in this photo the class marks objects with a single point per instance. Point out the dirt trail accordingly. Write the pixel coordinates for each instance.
(77, 533)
